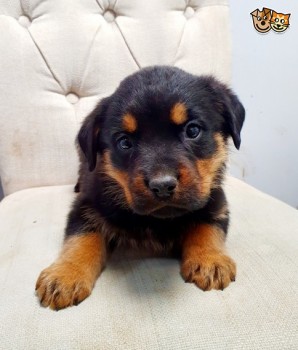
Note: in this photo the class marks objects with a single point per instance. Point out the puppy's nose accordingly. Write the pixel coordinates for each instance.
(163, 186)
(263, 23)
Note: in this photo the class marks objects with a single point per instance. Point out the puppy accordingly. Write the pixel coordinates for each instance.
(153, 156)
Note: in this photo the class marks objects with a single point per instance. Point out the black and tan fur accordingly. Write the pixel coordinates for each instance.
(153, 157)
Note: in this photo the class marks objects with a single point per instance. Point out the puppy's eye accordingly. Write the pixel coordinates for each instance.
(192, 130)
(259, 18)
(265, 17)
(276, 20)
(124, 143)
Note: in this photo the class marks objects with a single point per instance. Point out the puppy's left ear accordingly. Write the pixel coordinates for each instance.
(230, 108)
(234, 113)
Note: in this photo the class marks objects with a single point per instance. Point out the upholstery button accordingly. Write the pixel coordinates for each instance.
(24, 21)
(109, 15)
(72, 98)
(189, 12)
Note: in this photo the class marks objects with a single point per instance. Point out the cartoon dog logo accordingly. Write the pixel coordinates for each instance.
(280, 21)
(262, 20)
(268, 19)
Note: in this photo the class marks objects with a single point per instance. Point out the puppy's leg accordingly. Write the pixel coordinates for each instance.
(204, 261)
(70, 279)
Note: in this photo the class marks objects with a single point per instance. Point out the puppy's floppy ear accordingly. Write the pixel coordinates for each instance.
(89, 132)
(229, 106)
(234, 114)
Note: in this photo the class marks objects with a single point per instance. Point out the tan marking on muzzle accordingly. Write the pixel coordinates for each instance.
(121, 177)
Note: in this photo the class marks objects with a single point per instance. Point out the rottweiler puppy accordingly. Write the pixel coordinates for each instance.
(153, 158)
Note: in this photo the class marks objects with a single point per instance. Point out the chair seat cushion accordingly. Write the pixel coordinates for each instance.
(144, 304)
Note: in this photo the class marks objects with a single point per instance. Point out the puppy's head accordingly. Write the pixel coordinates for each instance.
(160, 141)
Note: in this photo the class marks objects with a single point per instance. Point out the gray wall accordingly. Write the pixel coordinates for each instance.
(265, 76)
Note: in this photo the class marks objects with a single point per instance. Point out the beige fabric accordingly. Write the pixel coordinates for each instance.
(144, 304)
(57, 58)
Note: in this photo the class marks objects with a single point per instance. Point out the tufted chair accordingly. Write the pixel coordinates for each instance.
(57, 59)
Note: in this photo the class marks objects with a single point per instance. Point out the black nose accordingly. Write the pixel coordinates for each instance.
(263, 23)
(163, 186)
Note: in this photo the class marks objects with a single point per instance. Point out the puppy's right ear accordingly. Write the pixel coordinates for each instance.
(89, 133)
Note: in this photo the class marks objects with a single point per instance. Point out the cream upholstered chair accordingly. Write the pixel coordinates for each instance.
(57, 59)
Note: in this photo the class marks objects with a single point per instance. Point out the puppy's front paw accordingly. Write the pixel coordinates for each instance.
(63, 284)
(209, 270)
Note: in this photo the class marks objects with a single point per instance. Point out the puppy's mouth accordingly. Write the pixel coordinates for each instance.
(168, 212)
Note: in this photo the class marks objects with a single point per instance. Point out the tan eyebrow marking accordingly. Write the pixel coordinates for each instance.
(129, 122)
(178, 114)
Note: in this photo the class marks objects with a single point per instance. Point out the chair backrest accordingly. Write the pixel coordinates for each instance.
(58, 58)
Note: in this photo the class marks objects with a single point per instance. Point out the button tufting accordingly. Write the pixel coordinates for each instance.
(72, 98)
(189, 12)
(109, 15)
(24, 21)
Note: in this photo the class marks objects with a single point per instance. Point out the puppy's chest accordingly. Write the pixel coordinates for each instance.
(157, 239)
(150, 240)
